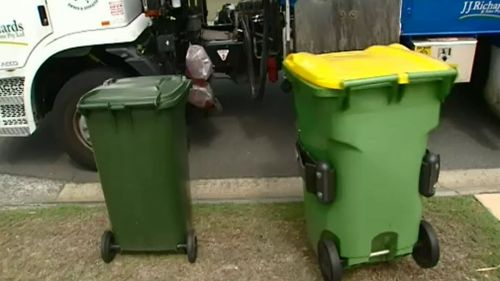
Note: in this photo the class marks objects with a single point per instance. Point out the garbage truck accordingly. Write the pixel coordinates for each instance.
(54, 51)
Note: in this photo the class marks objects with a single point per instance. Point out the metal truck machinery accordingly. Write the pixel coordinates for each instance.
(54, 51)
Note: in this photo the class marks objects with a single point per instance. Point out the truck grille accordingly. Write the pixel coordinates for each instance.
(13, 121)
(14, 131)
(12, 110)
(11, 90)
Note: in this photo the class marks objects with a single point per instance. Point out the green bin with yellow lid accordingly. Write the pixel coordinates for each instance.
(363, 119)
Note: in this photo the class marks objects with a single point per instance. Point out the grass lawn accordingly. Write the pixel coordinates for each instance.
(237, 242)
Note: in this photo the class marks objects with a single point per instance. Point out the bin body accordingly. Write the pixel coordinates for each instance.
(138, 133)
(373, 132)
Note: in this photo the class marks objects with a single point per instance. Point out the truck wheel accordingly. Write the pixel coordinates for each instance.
(492, 88)
(69, 126)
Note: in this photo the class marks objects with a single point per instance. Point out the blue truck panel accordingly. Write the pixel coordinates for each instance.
(450, 17)
(292, 2)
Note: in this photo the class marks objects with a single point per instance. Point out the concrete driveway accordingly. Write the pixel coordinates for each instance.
(250, 139)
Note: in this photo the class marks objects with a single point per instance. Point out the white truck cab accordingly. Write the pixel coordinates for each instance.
(36, 34)
(32, 32)
(54, 51)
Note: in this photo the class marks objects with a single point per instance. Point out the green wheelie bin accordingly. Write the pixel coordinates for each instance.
(138, 133)
(363, 122)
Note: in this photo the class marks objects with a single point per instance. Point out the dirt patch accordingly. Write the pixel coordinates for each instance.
(237, 242)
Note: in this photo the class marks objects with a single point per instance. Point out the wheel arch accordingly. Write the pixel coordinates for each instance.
(78, 50)
(61, 67)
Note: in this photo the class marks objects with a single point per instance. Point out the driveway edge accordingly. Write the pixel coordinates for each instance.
(16, 191)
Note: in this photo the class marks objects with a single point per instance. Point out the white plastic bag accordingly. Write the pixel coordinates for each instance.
(202, 96)
(198, 63)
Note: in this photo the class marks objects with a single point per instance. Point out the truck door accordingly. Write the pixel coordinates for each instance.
(23, 24)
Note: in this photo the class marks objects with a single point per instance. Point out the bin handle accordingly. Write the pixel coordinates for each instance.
(115, 106)
(368, 82)
(158, 97)
(158, 87)
(445, 78)
(351, 85)
(109, 81)
(319, 178)
(158, 90)
(432, 77)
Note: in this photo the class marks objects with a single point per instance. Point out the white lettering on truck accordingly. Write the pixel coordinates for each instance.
(480, 9)
(11, 30)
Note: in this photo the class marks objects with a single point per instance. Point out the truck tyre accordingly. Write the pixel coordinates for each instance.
(70, 128)
(492, 88)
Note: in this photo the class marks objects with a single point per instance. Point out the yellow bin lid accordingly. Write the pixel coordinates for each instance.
(333, 69)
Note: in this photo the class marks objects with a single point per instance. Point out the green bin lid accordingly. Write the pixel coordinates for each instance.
(149, 91)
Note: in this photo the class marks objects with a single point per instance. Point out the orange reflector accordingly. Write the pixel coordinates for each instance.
(105, 23)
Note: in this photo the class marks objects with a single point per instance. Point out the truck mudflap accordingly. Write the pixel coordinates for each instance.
(13, 118)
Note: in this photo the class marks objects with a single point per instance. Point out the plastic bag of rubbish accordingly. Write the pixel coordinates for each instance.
(198, 63)
(202, 96)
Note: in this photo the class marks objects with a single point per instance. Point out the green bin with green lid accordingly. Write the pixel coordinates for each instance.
(363, 122)
(138, 133)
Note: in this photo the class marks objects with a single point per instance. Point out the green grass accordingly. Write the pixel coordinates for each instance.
(480, 230)
(237, 242)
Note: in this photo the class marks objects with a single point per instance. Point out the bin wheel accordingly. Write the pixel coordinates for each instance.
(192, 248)
(108, 251)
(426, 251)
(329, 261)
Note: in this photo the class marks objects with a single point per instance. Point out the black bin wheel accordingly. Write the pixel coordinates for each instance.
(329, 261)
(426, 251)
(192, 247)
(108, 248)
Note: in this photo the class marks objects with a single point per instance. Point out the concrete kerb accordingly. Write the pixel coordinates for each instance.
(214, 190)
(22, 190)
(19, 190)
(451, 183)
